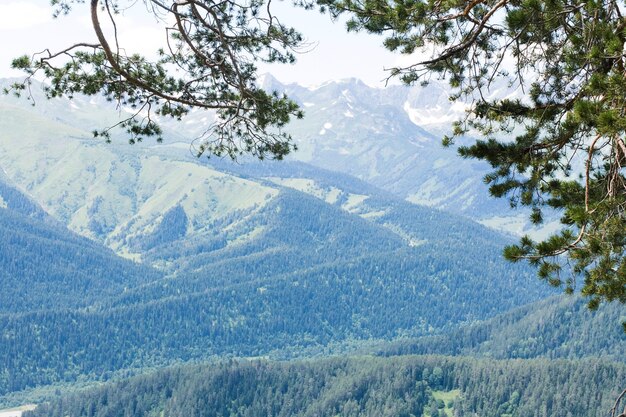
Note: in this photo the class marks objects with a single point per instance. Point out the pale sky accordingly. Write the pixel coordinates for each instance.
(27, 26)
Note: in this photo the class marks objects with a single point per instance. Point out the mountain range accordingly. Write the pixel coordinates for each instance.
(123, 257)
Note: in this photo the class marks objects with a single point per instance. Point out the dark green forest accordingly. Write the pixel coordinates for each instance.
(43, 266)
(557, 327)
(359, 386)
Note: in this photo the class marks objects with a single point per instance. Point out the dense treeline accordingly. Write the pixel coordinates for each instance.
(376, 387)
(368, 299)
(558, 327)
(300, 236)
(313, 275)
(45, 266)
(14, 200)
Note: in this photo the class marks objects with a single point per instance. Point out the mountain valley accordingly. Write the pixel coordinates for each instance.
(119, 259)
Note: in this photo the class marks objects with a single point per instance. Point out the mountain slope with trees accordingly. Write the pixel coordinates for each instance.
(554, 328)
(399, 386)
(277, 292)
(44, 266)
(256, 259)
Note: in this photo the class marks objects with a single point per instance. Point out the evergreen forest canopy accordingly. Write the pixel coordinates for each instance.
(428, 386)
(567, 60)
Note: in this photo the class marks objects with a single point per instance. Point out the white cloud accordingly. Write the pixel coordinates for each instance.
(22, 15)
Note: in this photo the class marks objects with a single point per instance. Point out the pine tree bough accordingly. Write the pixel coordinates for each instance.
(565, 125)
(213, 44)
(615, 408)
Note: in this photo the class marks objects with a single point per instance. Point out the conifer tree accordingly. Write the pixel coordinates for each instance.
(559, 144)
(209, 63)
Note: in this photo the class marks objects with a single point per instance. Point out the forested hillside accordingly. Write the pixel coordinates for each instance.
(364, 387)
(247, 260)
(557, 327)
(44, 266)
(251, 263)
(272, 293)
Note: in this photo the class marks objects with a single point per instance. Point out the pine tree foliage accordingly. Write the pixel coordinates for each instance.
(568, 152)
(209, 63)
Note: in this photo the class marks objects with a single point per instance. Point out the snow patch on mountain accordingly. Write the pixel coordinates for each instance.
(424, 116)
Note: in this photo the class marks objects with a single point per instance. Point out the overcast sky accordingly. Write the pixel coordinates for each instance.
(27, 26)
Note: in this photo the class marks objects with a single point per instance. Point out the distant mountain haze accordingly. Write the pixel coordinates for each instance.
(388, 137)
